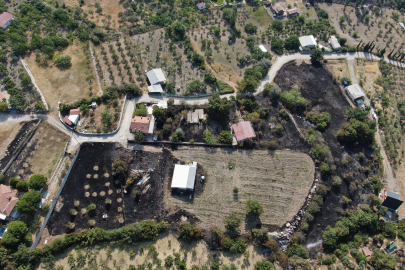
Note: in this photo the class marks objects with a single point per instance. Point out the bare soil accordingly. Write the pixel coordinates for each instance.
(12, 136)
(40, 155)
(66, 85)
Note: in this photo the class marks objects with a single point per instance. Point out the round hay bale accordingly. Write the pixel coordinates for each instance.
(119, 200)
(119, 209)
(110, 191)
(102, 193)
(95, 168)
(87, 194)
(107, 184)
(88, 175)
(95, 176)
(121, 219)
(83, 211)
(94, 194)
(106, 175)
(86, 187)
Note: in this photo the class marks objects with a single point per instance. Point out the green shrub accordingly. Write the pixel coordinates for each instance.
(254, 208)
(22, 186)
(189, 232)
(37, 181)
(13, 182)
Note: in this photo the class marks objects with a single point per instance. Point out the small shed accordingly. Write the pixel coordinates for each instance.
(243, 130)
(155, 88)
(2, 97)
(366, 252)
(391, 200)
(355, 92)
(201, 6)
(5, 20)
(262, 48)
(278, 9)
(334, 43)
(184, 176)
(293, 12)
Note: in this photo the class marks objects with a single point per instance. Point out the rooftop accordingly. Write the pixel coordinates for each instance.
(67, 121)
(74, 118)
(155, 88)
(8, 199)
(2, 96)
(4, 18)
(262, 48)
(243, 130)
(307, 41)
(201, 4)
(294, 10)
(184, 176)
(74, 111)
(196, 116)
(278, 8)
(140, 123)
(156, 76)
(334, 42)
(355, 90)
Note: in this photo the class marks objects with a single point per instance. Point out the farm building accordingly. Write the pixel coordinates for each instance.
(243, 131)
(334, 43)
(293, 12)
(277, 9)
(356, 94)
(307, 42)
(184, 176)
(74, 112)
(156, 79)
(196, 116)
(155, 88)
(201, 6)
(74, 119)
(8, 200)
(391, 200)
(5, 20)
(140, 123)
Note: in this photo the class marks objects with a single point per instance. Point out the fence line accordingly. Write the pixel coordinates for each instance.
(95, 67)
(35, 85)
(55, 200)
(21, 147)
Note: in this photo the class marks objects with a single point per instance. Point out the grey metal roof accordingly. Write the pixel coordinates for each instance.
(156, 76)
(335, 43)
(307, 41)
(355, 90)
(393, 195)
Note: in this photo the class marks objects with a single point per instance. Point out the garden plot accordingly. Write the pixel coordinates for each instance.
(66, 85)
(40, 155)
(11, 136)
(366, 74)
(383, 30)
(117, 64)
(279, 180)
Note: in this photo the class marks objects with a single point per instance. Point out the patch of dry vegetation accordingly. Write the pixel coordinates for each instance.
(8, 131)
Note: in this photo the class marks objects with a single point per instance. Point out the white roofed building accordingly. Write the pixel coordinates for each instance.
(334, 42)
(156, 76)
(155, 88)
(74, 118)
(262, 48)
(184, 176)
(307, 42)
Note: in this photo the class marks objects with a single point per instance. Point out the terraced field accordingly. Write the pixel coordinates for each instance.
(279, 180)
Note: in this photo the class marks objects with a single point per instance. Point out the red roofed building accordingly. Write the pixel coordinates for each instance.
(74, 112)
(5, 20)
(67, 121)
(140, 123)
(8, 200)
(201, 6)
(243, 131)
(2, 97)
(366, 252)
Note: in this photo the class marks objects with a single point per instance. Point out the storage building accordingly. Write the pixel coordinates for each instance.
(307, 42)
(184, 176)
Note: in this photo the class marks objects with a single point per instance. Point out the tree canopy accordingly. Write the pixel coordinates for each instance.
(16, 234)
(37, 181)
(254, 208)
(219, 108)
(28, 202)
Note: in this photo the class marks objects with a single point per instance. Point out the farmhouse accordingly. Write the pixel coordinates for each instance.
(293, 12)
(156, 79)
(334, 43)
(391, 200)
(201, 6)
(8, 200)
(277, 9)
(140, 124)
(243, 131)
(307, 42)
(356, 94)
(184, 176)
(5, 20)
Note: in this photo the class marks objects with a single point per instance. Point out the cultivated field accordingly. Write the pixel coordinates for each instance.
(66, 85)
(382, 29)
(166, 245)
(279, 180)
(40, 155)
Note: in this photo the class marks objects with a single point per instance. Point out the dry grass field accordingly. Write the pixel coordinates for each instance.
(279, 180)
(377, 29)
(66, 85)
(41, 154)
(8, 131)
(367, 72)
(166, 245)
